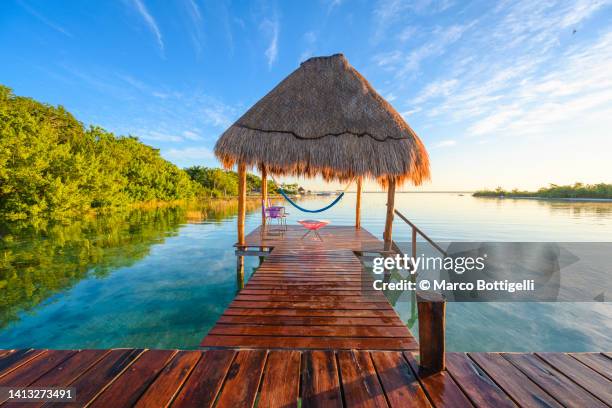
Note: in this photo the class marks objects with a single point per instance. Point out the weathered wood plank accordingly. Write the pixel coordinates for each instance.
(311, 321)
(514, 383)
(64, 374)
(440, 387)
(308, 305)
(281, 380)
(587, 378)
(597, 362)
(170, 380)
(14, 360)
(95, 381)
(360, 384)
(233, 311)
(475, 383)
(36, 367)
(125, 390)
(311, 331)
(328, 343)
(204, 383)
(242, 380)
(320, 380)
(552, 381)
(399, 382)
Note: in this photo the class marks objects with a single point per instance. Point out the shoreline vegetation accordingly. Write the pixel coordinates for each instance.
(53, 168)
(576, 192)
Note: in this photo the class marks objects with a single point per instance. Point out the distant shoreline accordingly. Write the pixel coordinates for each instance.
(575, 199)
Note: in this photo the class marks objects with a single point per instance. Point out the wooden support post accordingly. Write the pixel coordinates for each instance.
(264, 192)
(358, 205)
(240, 272)
(432, 307)
(388, 234)
(241, 201)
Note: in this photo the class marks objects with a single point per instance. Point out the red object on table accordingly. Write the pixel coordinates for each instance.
(313, 226)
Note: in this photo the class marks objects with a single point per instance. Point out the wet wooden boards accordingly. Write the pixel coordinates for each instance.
(310, 378)
(309, 294)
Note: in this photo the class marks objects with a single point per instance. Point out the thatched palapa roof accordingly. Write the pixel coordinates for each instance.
(326, 119)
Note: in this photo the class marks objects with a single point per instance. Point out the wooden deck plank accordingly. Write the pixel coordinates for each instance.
(206, 379)
(399, 382)
(301, 280)
(323, 343)
(36, 367)
(4, 353)
(14, 360)
(170, 380)
(475, 383)
(243, 377)
(440, 388)
(123, 378)
(597, 362)
(517, 385)
(309, 305)
(360, 384)
(129, 386)
(588, 379)
(101, 375)
(237, 311)
(64, 374)
(311, 321)
(320, 380)
(281, 381)
(552, 381)
(311, 331)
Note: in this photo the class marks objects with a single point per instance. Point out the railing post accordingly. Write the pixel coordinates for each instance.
(241, 201)
(264, 192)
(358, 205)
(240, 272)
(388, 234)
(431, 307)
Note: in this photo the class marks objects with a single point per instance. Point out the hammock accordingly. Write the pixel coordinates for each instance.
(296, 205)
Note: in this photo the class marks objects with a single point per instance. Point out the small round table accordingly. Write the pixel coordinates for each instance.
(313, 226)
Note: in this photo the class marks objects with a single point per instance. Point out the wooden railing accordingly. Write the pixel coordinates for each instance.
(431, 315)
(415, 231)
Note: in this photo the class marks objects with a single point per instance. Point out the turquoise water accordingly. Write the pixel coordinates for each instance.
(161, 278)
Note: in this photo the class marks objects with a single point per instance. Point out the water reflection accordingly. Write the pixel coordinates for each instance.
(37, 261)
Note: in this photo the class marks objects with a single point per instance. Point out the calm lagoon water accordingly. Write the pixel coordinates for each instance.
(160, 278)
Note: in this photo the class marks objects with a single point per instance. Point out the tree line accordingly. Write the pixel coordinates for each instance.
(578, 190)
(53, 167)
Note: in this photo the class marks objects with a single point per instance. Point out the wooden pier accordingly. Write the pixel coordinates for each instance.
(312, 378)
(311, 294)
(306, 331)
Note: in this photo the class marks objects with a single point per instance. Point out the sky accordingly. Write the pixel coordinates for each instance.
(515, 94)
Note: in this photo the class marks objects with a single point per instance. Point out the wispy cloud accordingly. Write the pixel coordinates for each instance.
(195, 24)
(408, 62)
(332, 4)
(149, 21)
(191, 135)
(188, 155)
(518, 71)
(271, 27)
(388, 13)
(446, 143)
(44, 19)
(309, 38)
(218, 115)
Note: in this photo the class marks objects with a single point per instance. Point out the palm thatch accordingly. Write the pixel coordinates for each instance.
(326, 119)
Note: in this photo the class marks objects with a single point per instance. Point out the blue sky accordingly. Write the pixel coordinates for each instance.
(516, 93)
